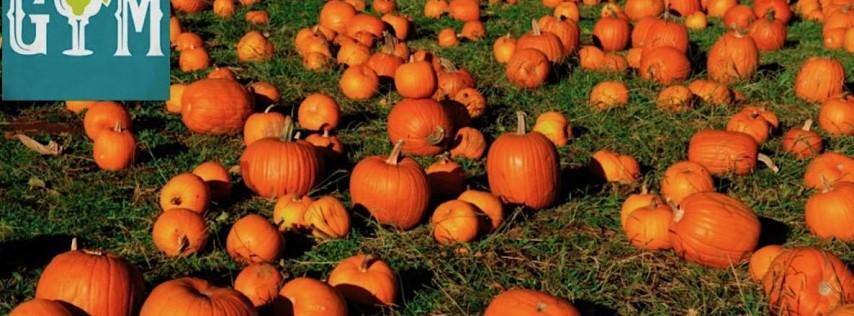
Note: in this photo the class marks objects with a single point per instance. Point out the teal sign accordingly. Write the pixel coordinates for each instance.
(85, 50)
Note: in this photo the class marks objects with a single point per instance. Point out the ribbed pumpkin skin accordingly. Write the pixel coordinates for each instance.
(831, 166)
(845, 310)
(524, 169)
(259, 282)
(661, 33)
(309, 297)
(40, 307)
(723, 152)
(376, 285)
(414, 120)
(192, 297)
(395, 195)
(215, 106)
(98, 284)
(830, 214)
(683, 179)
(714, 230)
(819, 79)
(732, 58)
(796, 278)
(664, 64)
(518, 302)
(273, 168)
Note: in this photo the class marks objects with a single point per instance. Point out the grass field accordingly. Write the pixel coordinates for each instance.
(574, 250)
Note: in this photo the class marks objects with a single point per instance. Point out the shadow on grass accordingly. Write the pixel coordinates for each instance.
(31, 253)
(588, 308)
(161, 152)
(773, 232)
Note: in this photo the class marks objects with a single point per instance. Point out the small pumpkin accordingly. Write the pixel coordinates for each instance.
(761, 260)
(639, 9)
(352, 54)
(739, 17)
(836, 116)
(327, 218)
(468, 143)
(215, 106)
(384, 6)
(187, 41)
(173, 105)
(114, 149)
(359, 82)
(448, 37)
(609, 94)
(464, 10)
(179, 232)
(189, 6)
(258, 17)
(614, 167)
(503, 49)
(664, 65)
(224, 8)
(259, 283)
(40, 307)
(473, 31)
(529, 302)
(719, 8)
(252, 239)
(365, 28)
(528, 68)
(187, 191)
(768, 33)
(819, 79)
(675, 98)
(546, 42)
(175, 29)
(611, 33)
(335, 15)
(755, 121)
(222, 73)
(683, 179)
(733, 57)
(423, 124)
(555, 127)
(473, 100)
(446, 178)
(455, 221)
(265, 93)
(696, 21)
(802, 142)
(683, 7)
(365, 279)
(415, 79)
(648, 227)
(217, 179)
(384, 63)
(105, 116)
(567, 10)
(78, 106)
(194, 59)
(435, 8)
(329, 146)
(254, 47)
(711, 92)
(306, 296)
(723, 152)
(638, 201)
(807, 281)
(319, 112)
(521, 157)
(192, 296)
(451, 80)
(830, 213)
(828, 169)
(400, 25)
(487, 204)
(263, 125)
(289, 212)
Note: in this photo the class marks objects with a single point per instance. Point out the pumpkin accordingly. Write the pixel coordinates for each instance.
(399, 24)
(761, 260)
(73, 276)
(447, 37)
(768, 33)
(40, 307)
(528, 68)
(179, 232)
(664, 65)
(215, 106)
(455, 221)
(719, 8)
(591, 58)
(724, 152)
(189, 6)
(714, 230)
(222, 73)
(262, 125)
(258, 17)
(359, 82)
(836, 116)
(611, 9)
(308, 41)
(217, 179)
(567, 10)
(546, 42)
(529, 302)
(609, 94)
(780, 9)
(807, 281)
(503, 49)
(612, 34)
(272, 167)
(754, 121)
(652, 32)
(648, 227)
(365, 279)
(696, 21)
(639, 9)
(383, 6)
(384, 63)
(435, 8)
(675, 98)
(335, 14)
(590, 2)
(329, 146)
(114, 149)
(360, 5)
(828, 169)
(848, 43)
(309, 297)
(614, 167)
(365, 28)
(319, 112)
(555, 127)
(446, 178)
(254, 47)
(289, 212)
(452, 79)
(105, 116)
(187, 191)
(252, 239)
(733, 57)
(638, 201)
(834, 39)
(487, 204)
(259, 283)
(567, 32)
(820, 78)
(711, 92)
(415, 79)
(422, 123)
(838, 19)
(468, 143)
(173, 105)
(830, 213)
(327, 218)
(192, 296)
(802, 142)
(473, 31)
(551, 3)
(464, 10)
(188, 40)
(844, 310)
(683, 7)
(473, 100)
(79, 106)
(194, 59)
(352, 54)
(529, 158)
(224, 8)
(175, 29)
(739, 17)
(395, 191)
(684, 178)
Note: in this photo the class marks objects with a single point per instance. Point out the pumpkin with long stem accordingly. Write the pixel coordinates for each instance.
(192, 296)
(802, 142)
(365, 279)
(723, 152)
(114, 149)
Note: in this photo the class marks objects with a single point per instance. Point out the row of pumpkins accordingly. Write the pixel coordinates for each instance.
(440, 101)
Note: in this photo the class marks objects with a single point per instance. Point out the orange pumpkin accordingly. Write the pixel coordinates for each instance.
(259, 283)
(836, 116)
(217, 178)
(365, 28)
(258, 17)
(79, 106)
(215, 106)
(609, 94)
(503, 49)
(105, 116)
(820, 78)
(395, 191)
(187, 41)
(446, 178)
(546, 42)
(780, 9)
(187, 191)
(224, 8)
(614, 167)
(400, 24)
(336, 14)
(448, 37)
(464, 10)
(529, 158)
(676, 98)
(567, 32)
(319, 112)
(807, 281)
(191, 296)
(739, 17)
(754, 121)
(455, 221)
(72, 277)
(365, 279)
(359, 82)
(487, 204)
(189, 6)
(194, 59)
(173, 105)
(384, 6)
(802, 142)
(555, 127)
(415, 79)
(611, 33)
(252, 239)
(828, 169)
(696, 21)
(452, 80)
(327, 218)
(175, 29)
(648, 227)
(639, 9)
(179, 232)
(844, 310)
(711, 92)
(435, 8)
(733, 57)
(768, 33)
(529, 302)
(329, 146)
(638, 201)
(473, 100)
(830, 213)
(222, 73)
(567, 10)
(528, 68)
(265, 93)
(468, 143)
(352, 54)
(664, 65)
(473, 31)
(115, 149)
(714, 230)
(384, 63)
(40, 307)
(305, 296)
(422, 124)
(289, 212)
(718, 8)
(684, 178)
(254, 47)
(272, 167)
(683, 7)
(761, 260)
(723, 152)
(263, 125)
(654, 32)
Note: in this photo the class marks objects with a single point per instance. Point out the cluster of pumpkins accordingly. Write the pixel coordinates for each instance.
(436, 115)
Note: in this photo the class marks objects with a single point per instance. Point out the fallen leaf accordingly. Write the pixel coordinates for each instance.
(52, 148)
(35, 182)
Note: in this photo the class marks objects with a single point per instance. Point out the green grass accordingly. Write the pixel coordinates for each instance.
(574, 250)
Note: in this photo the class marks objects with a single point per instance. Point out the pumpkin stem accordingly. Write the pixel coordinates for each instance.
(183, 243)
(678, 214)
(366, 263)
(824, 288)
(395, 153)
(437, 136)
(535, 28)
(447, 64)
(768, 162)
(267, 110)
(771, 15)
(520, 123)
(74, 244)
(288, 129)
(824, 184)
(807, 125)
(325, 133)
(644, 188)
(297, 135)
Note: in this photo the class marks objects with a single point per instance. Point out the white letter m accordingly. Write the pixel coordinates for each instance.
(138, 9)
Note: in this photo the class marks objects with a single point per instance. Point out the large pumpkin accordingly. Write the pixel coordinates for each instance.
(733, 57)
(723, 152)
(517, 302)
(395, 191)
(830, 213)
(828, 169)
(422, 124)
(309, 297)
(664, 64)
(820, 78)
(40, 307)
(807, 281)
(365, 279)
(683, 179)
(192, 296)
(97, 283)
(836, 116)
(272, 167)
(714, 230)
(215, 106)
(523, 168)
(259, 282)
